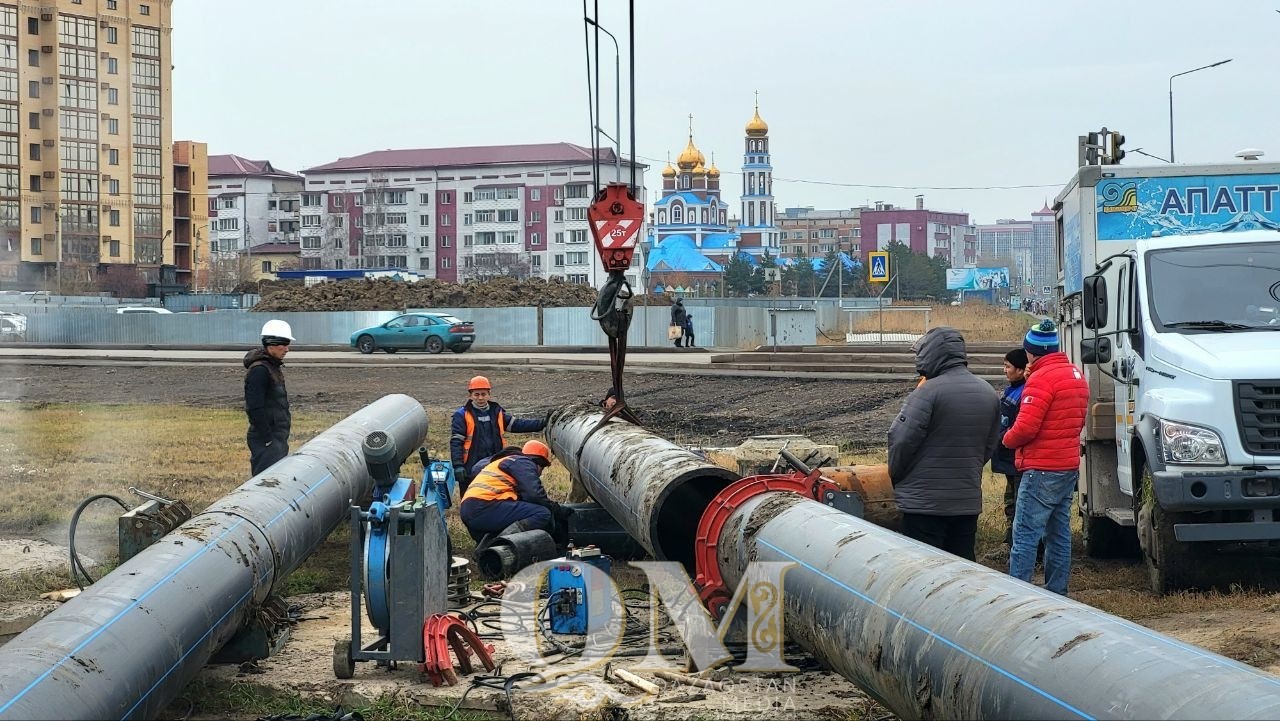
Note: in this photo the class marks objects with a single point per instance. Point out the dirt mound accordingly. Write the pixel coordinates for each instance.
(386, 294)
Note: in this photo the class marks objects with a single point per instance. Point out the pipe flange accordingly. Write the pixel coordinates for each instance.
(709, 582)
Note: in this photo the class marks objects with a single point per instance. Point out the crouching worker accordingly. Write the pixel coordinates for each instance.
(507, 496)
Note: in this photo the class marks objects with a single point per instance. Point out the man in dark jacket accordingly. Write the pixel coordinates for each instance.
(1046, 436)
(266, 400)
(478, 430)
(939, 443)
(507, 496)
(678, 314)
(1015, 371)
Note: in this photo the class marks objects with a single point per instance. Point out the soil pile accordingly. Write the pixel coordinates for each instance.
(386, 294)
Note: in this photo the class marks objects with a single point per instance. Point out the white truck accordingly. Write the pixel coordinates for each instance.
(1170, 303)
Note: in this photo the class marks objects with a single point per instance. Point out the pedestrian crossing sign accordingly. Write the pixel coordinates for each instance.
(878, 267)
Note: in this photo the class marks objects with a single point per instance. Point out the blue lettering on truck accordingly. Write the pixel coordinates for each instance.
(1130, 208)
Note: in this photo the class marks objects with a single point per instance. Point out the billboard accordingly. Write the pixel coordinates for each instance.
(977, 278)
(1129, 208)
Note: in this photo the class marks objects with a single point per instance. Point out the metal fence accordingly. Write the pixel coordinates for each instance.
(724, 326)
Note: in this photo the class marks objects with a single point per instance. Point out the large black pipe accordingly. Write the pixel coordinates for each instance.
(128, 645)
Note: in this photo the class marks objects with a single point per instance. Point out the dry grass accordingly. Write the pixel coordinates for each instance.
(979, 322)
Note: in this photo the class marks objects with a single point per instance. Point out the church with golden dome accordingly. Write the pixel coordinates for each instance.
(691, 230)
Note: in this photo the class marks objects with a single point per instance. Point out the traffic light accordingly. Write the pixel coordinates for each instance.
(1089, 146)
(1115, 151)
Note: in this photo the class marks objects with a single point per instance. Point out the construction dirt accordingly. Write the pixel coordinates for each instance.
(387, 294)
(707, 410)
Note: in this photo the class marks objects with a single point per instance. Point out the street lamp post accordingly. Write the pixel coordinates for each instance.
(617, 101)
(1171, 77)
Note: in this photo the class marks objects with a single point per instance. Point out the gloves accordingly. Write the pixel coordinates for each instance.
(460, 475)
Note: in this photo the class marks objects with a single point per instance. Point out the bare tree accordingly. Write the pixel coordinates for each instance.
(499, 264)
(375, 219)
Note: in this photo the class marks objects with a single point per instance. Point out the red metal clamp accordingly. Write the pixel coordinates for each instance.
(442, 631)
(616, 217)
(709, 582)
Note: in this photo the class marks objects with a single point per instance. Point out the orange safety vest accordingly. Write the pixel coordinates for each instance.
(471, 433)
(492, 484)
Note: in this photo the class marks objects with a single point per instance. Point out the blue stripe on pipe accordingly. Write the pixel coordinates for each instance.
(933, 634)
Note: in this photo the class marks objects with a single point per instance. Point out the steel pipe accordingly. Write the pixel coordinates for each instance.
(127, 645)
(930, 635)
(654, 488)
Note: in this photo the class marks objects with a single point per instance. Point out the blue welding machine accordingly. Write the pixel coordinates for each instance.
(569, 586)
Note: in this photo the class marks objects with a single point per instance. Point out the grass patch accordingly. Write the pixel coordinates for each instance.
(236, 699)
(979, 322)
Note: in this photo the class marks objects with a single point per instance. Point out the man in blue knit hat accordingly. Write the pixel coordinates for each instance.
(1046, 440)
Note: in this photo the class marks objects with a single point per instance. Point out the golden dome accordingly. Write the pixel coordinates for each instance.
(691, 156)
(668, 172)
(699, 169)
(713, 171)
(757, 126)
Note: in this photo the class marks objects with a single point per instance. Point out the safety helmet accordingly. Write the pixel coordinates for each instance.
(537, 449)
(274, 331)
(479, 383)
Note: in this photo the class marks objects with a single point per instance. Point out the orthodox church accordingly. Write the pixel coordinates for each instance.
(690, 231)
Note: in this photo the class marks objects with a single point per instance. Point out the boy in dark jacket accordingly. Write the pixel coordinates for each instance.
(1015, 371)
(688, 330)
(939, 444)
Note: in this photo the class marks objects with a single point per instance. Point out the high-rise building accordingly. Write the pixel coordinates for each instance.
(191, 213)
(1026, 248)
(85, 140)
(459, 213)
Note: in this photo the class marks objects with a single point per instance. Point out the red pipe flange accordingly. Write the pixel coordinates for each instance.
(709, 582)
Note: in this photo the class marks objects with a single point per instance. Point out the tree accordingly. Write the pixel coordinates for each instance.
(738, 276)
(852, 282)
(499, 265)
(918, 276)
(799, 278)
(122, 281)
(760, 282)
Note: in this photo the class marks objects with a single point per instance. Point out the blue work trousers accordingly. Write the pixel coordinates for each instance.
(481, 517)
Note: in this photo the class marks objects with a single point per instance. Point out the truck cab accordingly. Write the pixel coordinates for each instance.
(1170, 302)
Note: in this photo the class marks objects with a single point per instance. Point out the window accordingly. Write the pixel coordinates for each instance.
(35, 214)
(311, 221)
(35, 183)
(311, 242)
(577, 258)
(577, 236)
(114, 247)
(398, 240)
(486, 194)
(33, 58)
(33, 88)
(33, 151)
(311, 200)
(272, 204)
(395, 197)
(339, 201)
(358, 221)
(113, 126)
(559, 260)
(338, 221)
(577, 213)
(559, 238)
(535, 239)
(111, 4)
(579, 190)
(580, 278)
(359, 200)
(444, 263)
(486, 238)
(424, 198)
(468, 197)
(536, 261)
(113, 187)
(468, 240)
(508, 216)
(113, 66)
(425, 219)
(33, 28)
(397, 218)
(115, 218)
(485, 216)
(559, 216)
(266, 266)
(33, 121)
(559, 194)
(112, 38)
(228, 224)
(36, 248)
(508, 193)
(535, 216)
(446, 220)
(424, 241)
(535, 193)
(507, 238)
(145, 10)
(113, 157)
(445, 241)
(446, 198)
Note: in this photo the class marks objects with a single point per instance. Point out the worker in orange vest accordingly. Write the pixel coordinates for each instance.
(478, 428)
(507, 496)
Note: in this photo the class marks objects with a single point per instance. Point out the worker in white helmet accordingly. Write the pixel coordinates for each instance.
(266, 401)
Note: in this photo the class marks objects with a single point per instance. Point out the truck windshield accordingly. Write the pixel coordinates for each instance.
(1215, 288)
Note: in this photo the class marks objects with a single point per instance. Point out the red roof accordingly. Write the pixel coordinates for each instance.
(236, 165)
(275, 249)
(550, 153)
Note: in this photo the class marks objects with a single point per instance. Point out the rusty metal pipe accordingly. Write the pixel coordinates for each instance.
(930, 635)
(654, 488)
(127, 645)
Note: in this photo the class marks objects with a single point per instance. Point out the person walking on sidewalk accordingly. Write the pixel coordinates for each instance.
(266, 400)
(939, 444)
(678, 315)
(478, 429)
(1046, 437)
(1015, 371)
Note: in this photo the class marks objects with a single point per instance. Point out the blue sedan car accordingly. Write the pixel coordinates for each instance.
(432, 332)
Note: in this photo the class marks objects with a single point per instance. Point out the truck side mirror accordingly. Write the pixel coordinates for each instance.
(1095, 302)
(1095, 350)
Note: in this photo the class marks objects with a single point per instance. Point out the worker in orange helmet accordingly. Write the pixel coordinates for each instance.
(507, 496)
(478, 430)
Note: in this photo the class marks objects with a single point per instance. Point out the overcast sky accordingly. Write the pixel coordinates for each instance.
(856, 92)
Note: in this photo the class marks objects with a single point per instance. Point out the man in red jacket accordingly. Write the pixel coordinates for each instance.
(1046, 437)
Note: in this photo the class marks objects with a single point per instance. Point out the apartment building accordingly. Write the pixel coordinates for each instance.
(814, 233)
(85, 140)
(457, 213)
(936, 233)
(190, 213)
(251, 203)
(1027, 248)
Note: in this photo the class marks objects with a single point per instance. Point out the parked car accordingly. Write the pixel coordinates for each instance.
(433, 332)
(130, 310)
(13, 326)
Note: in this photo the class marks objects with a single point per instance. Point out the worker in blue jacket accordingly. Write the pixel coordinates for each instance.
(478, 431)
(1015, 371)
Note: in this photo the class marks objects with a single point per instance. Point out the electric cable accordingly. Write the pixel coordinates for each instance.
(77, 568)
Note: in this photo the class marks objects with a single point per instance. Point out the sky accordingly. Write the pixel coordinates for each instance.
(859, 95)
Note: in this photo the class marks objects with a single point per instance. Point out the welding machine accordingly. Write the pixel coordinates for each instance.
(579, 601)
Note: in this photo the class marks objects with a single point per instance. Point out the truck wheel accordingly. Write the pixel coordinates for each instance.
(1171, 565)
(1104, 538)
